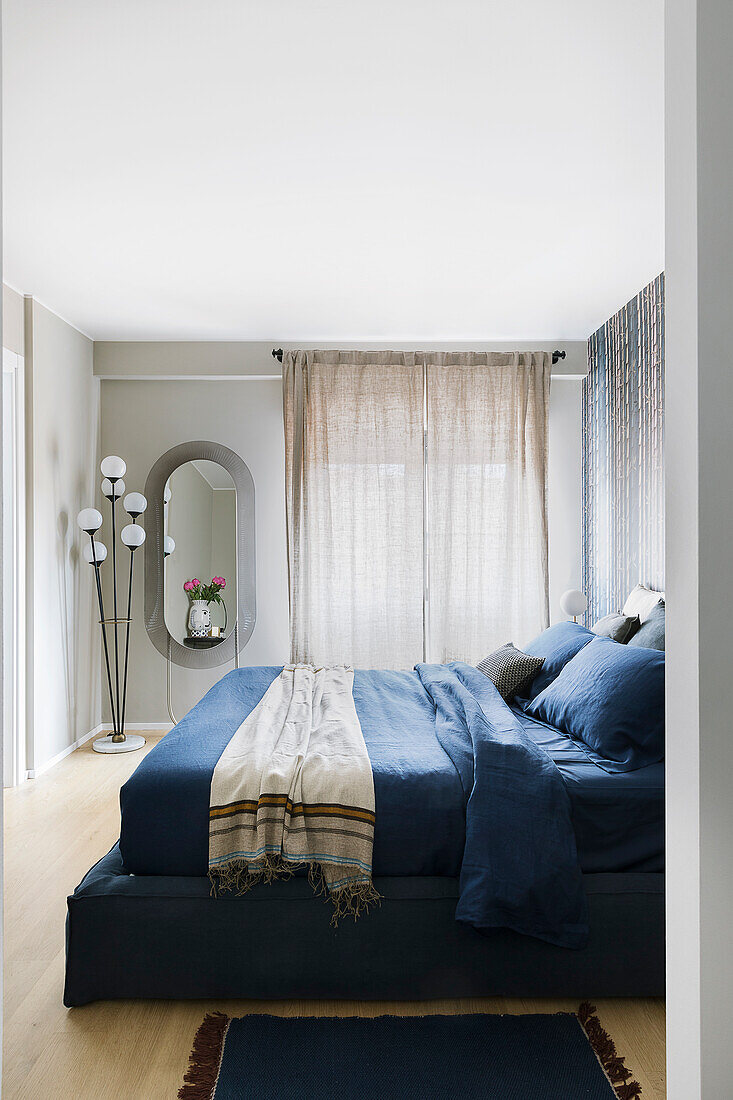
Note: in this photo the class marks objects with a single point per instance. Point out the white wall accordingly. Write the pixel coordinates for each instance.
(699, 581)
(141, 419)
(13, 321)
(62, 447)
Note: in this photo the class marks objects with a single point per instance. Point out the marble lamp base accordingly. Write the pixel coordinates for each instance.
(106, 744)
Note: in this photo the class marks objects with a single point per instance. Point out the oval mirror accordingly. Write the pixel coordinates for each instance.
(200, 606)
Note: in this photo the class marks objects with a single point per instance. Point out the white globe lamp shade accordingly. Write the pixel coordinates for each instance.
(113, 490)
(169, 546)
(89, 519)
(133, 536)
(573, 602)
(95, 553)
(113, 467)
(135, 504)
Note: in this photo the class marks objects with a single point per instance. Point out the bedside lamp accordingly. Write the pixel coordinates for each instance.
(573, 602)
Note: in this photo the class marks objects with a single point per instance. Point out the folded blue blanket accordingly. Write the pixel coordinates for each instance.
(459, 785)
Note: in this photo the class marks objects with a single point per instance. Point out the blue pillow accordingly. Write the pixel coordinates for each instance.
(556, 646)
(611, 698)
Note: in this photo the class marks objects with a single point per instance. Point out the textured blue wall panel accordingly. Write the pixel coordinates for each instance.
(623, 454)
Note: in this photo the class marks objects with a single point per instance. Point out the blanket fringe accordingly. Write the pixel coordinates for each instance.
(353, 900)
(238, 877)
(605, 1051)
(205, 1058)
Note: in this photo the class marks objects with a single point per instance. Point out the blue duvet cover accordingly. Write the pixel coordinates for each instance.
(462, 787)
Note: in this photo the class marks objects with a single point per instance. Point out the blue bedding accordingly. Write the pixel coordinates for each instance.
(618, 819)
(462, 786)
(420, 807)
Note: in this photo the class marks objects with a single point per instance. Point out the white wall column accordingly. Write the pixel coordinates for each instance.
(699, 465)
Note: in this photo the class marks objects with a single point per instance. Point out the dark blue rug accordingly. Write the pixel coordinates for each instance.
(548, 1057)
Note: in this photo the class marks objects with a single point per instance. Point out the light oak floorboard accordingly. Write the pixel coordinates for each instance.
(56, 827)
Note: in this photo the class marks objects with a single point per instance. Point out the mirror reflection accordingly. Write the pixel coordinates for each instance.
(200, 528)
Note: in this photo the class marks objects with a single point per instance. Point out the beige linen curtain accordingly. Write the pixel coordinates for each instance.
(486, 456)
(354, 492)
(416, 504)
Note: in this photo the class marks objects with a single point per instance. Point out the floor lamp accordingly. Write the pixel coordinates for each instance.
(95, 553)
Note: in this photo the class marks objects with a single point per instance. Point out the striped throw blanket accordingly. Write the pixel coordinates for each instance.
(294, 786)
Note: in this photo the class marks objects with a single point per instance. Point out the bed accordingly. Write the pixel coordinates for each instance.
(143, 923)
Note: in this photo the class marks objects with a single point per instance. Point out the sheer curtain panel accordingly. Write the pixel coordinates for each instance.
(354, 493)
(416, 504)
(486, 455)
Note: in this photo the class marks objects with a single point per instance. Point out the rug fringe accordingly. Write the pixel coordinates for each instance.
(605, 1051)
(205, 1058)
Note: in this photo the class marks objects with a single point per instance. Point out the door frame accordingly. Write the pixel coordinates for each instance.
(14, 671)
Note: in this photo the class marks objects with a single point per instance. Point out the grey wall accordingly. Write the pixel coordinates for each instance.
(131, 359)
(140, 421)
(699, 579)
(62, 460)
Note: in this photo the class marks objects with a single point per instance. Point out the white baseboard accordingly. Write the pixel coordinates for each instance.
(102, 728)
(34, 773)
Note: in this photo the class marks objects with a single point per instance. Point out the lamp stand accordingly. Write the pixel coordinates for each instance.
(117, 741)
(89, 520)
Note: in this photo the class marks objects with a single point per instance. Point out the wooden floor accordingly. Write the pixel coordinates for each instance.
(56, 827)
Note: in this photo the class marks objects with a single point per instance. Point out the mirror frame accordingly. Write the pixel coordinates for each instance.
(246, 615)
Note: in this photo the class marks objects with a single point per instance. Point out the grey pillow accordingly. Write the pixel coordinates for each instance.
(651, 632)
(509, 669)
(616, 626)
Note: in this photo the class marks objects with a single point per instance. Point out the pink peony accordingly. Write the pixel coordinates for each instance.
(187, 586)
(195, 583)
(220, 581)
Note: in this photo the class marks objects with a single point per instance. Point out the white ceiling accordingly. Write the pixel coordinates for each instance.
(320, 170)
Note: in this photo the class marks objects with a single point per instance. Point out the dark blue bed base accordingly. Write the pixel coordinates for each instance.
(158, 937)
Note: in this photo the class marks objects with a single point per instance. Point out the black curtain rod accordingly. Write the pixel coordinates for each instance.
(277, 353)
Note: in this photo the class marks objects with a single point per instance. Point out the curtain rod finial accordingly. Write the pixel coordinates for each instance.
(277, 353)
